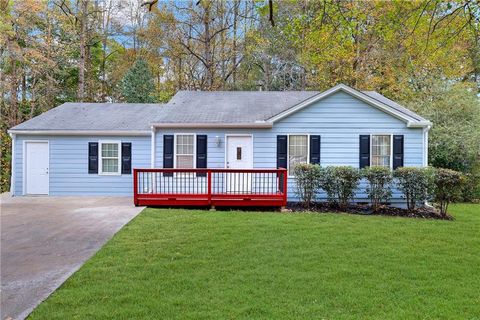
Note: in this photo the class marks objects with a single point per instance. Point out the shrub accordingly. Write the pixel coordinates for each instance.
(379, 187)
(447, 188)
(307, 177)
(340, 183)
(414, 183)
(471, 187)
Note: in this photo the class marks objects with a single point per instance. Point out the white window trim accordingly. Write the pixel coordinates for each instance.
(290, 173)
(100, 158)
(391, 147)
(194, 149)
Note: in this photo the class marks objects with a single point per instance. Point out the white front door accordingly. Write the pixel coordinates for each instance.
(36, 167)
(239, 156)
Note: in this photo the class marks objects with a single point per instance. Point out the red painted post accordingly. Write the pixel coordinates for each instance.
(209, 182)
(285, 178)
(135, 187)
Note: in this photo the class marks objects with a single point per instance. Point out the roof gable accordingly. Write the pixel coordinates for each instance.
(373, 99)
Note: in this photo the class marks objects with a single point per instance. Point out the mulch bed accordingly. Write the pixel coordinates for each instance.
(424, 213)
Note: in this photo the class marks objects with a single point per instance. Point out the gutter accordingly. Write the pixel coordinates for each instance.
(419, 124)
(83, 132)
(260, 125)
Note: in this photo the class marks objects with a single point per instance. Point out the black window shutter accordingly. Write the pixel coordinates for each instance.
(397, 151)
(364, 151)
(282, 151)
(126, 158)
(201, 153)
(93, 157)
(168, 141)
(315, 149)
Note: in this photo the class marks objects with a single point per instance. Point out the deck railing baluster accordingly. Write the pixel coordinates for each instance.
(222, 187)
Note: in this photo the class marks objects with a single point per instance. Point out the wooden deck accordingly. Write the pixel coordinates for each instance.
(210, 187)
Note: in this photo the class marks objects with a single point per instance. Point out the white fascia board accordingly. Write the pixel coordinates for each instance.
(261, 125)
(355, 93)
(82, 132)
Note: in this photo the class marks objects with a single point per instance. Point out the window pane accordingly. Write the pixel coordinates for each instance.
(185, 162)
(297, 150)
(110, 165)
(109, 150)
(185, 144)
(381, 149)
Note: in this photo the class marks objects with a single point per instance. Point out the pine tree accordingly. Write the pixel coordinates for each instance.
(137, 84)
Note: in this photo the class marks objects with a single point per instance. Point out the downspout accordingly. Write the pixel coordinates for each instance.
(425, 145)
(425, 157)
(12, 167)
(152, 148)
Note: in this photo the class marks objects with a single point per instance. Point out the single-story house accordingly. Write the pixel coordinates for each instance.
(91, 148)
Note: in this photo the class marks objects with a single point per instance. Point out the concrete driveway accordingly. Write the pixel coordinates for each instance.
(44, 240)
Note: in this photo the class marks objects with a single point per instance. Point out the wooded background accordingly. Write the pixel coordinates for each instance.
(424, 54)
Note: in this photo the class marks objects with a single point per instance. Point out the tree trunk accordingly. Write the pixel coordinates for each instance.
(234, 44)
(13, 112)
(207, 49)
(82, 42)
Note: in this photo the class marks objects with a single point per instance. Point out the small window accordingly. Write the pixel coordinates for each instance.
(185, 151)
(239, 153)
(109, 157)
(297, 150)
(381, 151)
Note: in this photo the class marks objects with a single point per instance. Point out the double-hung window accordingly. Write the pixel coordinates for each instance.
(297, 150)
(381, 151)
(185, 151)
(110, 155)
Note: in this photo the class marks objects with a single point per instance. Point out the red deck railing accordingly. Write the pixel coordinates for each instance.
(210, 187)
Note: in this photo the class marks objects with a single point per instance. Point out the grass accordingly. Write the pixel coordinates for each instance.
(182, 264)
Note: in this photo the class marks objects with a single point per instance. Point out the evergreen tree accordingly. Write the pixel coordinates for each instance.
(137, 84)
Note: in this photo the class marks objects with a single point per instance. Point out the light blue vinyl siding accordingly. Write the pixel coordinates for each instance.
(339, 119)
(69, 165)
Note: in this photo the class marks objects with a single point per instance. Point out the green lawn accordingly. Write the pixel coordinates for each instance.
(182, 264)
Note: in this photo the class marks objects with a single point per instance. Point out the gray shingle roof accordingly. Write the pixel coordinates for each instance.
(95, 116)
(229, 106)
(186, 107)
(244, 106)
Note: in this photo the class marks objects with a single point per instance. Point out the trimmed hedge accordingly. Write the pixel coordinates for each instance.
(414, 183)
(379, 188)
(447, 188)
(308, 177)
(340, 183)
(417, 184)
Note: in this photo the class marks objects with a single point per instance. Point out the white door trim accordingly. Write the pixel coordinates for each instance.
(24, 158)
(237, 135)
